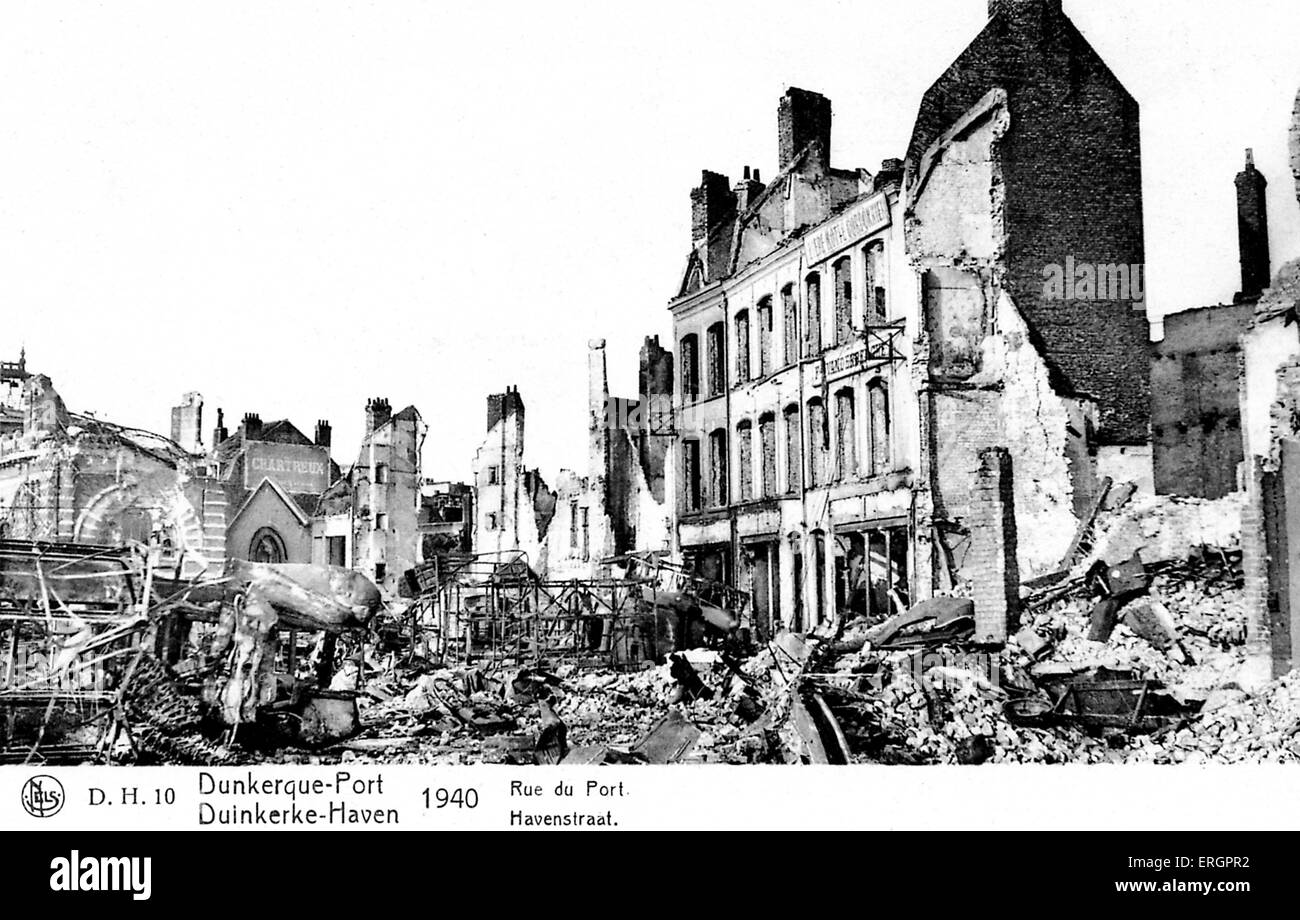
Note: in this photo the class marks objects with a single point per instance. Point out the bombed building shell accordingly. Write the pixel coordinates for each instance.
(879, 398)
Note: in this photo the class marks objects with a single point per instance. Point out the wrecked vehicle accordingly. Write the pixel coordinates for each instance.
(101, 646)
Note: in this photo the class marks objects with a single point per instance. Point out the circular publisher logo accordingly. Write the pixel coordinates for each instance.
(43, 796)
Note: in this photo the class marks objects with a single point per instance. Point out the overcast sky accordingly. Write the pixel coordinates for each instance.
(292, 207)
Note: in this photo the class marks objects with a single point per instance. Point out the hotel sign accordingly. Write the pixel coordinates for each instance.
(854, 360)
(293, 467)
(858, 222)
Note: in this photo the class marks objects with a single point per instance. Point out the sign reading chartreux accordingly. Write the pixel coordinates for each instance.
(293, 467)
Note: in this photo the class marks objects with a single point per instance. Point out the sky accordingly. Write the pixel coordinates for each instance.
(293, 207)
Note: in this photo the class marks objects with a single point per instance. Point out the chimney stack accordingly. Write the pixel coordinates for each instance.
(324, 434)
(500, 405)
(711, 204)
(803, 117)
(747, 190)
(252, 426)
(891, 174)
(187, 423)
(1252, 230)
(378, 412)
(220, 433)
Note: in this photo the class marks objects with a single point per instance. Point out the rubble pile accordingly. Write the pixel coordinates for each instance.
(1157, 689)
(1128, 663)
(571, 713)
(1118, 658)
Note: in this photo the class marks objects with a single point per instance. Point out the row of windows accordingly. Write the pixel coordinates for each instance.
(711, 487)
(747, 366)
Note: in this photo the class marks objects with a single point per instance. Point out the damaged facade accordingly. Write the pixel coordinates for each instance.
(370, 518)
(1196, 432)
(1270, 422)
(73, 478)
(618, 504)
(877, 391)
(272, 476)
(446, 518)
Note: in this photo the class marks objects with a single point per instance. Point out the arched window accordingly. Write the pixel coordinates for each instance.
(718, 467)
(765, 336)
(381, 473)
(843, 300)
(743, 369)
(793, 451)
(767, 450)
(846, 434)
(878, 394)
(813, 311)
(689, 351)
(745, 459)
(874, 289)
(267, 546)
(715, 354)
(790, 317)
(818, 447)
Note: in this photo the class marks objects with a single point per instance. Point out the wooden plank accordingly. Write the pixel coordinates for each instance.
(1085, 525)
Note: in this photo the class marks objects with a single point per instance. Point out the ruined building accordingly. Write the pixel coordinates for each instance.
(75, 478)
(888, 385)
(283, 498)
(1270, 423)
(446, 518)
(1196, 368)
(370, 517)
(618, 504)
(272, 476)
(512, 505)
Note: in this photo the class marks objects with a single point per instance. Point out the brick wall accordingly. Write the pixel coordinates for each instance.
(996, 587)
(1195, 403)
(1073, 187)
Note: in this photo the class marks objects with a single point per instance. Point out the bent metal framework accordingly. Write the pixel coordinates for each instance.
(907, 481)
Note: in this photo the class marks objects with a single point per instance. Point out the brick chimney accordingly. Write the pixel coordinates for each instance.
(711, 203)
(252, 426)
(1252, 230)
(378, 412)
(801, 118)
(891, 174)
(187, 423)
(500, 405)
(324, 434)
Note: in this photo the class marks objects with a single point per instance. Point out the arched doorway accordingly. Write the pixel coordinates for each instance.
(267, 546)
